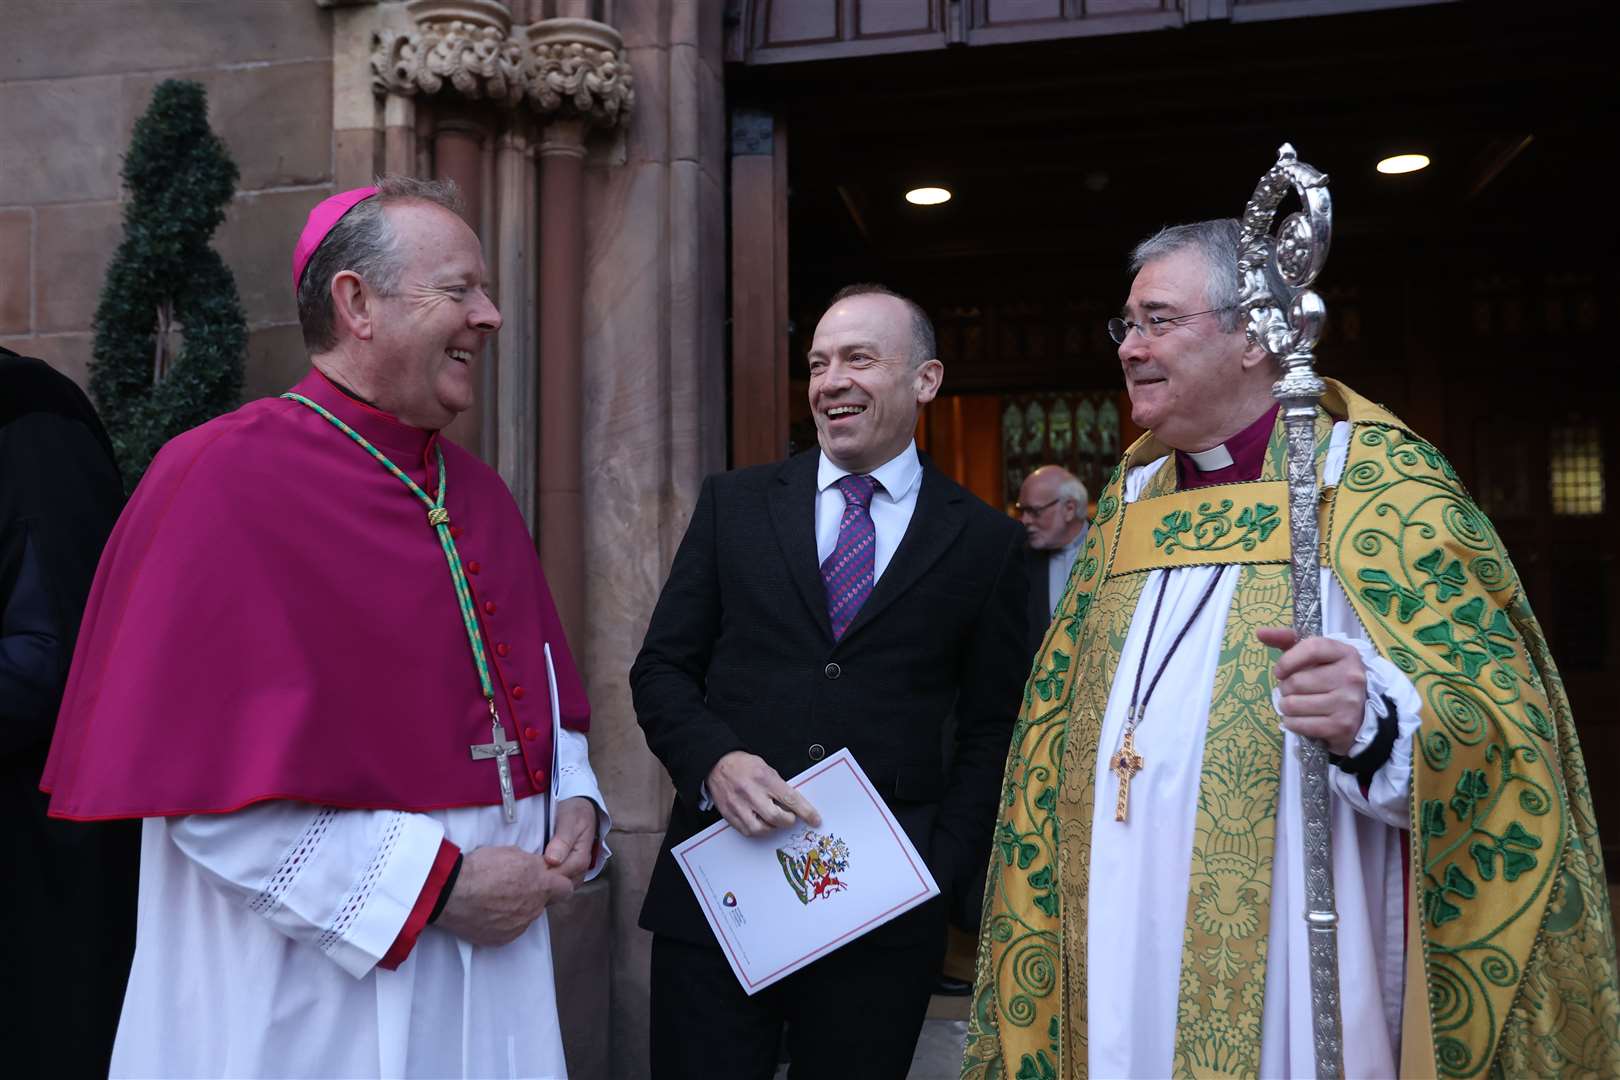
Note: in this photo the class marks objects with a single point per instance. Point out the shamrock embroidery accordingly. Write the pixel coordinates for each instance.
(1447, 581)
(1513, 847)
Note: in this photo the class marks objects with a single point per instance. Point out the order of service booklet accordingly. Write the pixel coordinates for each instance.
(779, 901)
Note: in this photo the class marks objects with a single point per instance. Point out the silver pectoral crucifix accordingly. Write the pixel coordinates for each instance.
(500, 749)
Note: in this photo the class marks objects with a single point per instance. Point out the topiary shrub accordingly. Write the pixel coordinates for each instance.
(170, 335)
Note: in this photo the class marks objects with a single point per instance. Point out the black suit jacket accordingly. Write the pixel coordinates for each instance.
(740, 656)
(1037, 564)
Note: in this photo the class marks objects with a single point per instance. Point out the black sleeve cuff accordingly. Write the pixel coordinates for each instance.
(444, 893)
(1363, 765)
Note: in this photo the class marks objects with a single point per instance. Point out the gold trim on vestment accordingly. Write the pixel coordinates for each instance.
(1225, 525)
(1228, 921)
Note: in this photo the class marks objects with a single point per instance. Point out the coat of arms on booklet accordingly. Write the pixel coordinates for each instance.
(778, 902)
(812, 862)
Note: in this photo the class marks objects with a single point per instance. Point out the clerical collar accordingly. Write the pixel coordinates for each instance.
(1239, 458)
(1216, 457)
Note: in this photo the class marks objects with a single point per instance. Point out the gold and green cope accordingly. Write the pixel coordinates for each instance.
(1509, 903)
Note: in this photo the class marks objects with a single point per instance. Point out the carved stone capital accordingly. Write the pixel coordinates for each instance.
(578, 67)
(464, 43)
(555, 67)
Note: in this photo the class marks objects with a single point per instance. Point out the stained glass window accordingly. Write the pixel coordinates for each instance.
(1575, 464)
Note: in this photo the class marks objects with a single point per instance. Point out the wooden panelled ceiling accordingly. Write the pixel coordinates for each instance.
(1061, 153)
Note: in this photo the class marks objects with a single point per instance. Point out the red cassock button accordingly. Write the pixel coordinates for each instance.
(517, 693)
(489, 607)
(530, 733)
(502, 649)
(473, 567)
(539, 777)
(455, 532)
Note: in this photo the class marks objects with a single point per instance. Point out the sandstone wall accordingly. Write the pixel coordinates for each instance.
(74, 77)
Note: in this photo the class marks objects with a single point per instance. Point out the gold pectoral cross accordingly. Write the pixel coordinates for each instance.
(1125, 764)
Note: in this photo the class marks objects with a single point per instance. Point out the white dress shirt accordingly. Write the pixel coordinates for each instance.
(893, 501)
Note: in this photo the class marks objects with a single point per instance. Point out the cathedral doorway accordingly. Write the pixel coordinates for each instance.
(1467, 296)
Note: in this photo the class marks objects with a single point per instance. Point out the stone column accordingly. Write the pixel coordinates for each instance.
(562, 255)
(516, 380)
(576, 76)
(399, 135)
(458, 156)
(576, 79)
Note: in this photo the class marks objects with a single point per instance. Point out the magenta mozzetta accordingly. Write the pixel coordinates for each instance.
(256, 623)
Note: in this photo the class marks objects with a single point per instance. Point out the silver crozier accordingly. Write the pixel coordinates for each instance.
(1289, 327)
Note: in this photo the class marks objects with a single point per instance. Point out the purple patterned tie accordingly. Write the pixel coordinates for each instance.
(849, 570)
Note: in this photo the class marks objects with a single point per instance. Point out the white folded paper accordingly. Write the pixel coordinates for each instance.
(778, 902)
(556, 746)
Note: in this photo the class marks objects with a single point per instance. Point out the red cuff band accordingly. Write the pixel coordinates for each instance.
(431, 888)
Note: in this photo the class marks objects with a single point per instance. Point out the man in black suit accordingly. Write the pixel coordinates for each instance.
(849, 596)
(1052, 507)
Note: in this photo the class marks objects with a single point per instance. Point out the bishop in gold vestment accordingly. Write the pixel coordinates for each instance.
(1144, 911)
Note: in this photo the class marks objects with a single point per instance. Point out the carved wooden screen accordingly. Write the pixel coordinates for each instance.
(1079, 431)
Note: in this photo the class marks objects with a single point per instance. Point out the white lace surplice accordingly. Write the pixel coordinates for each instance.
(259, 932)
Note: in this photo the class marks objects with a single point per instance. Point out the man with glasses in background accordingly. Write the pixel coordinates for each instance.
(1157, 750)
(1052, 508)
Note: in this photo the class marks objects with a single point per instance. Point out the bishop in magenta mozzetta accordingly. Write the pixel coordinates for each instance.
(320, 659)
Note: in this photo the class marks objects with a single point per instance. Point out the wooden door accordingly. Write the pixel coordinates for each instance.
(759, 287)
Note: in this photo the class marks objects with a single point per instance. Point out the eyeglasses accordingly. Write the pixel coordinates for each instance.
(1156, 325)
(1036, 511)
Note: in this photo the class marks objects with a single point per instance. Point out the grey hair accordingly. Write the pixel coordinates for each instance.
(365, 242)
(924, 346)
(1070, 487)
(1217, 241)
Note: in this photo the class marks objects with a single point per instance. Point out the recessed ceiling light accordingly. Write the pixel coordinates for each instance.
(1403, 163)
(928, 196)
